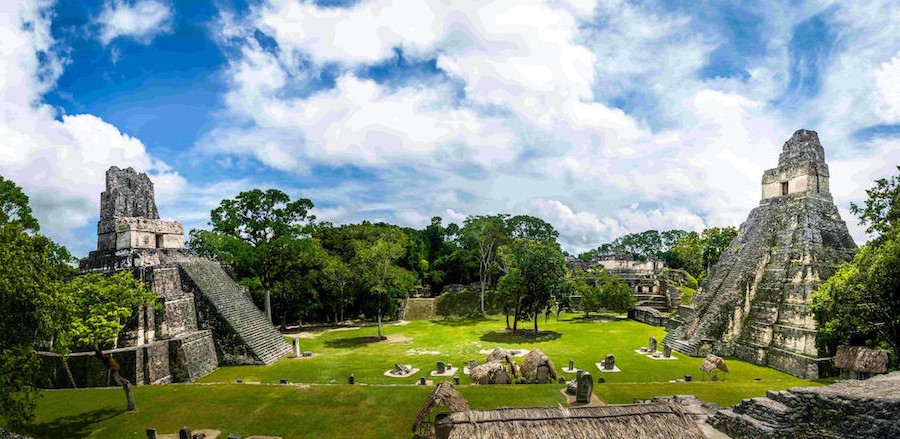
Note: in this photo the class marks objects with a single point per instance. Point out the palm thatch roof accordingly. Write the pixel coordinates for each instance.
(712, 362)
(658, 419)
(860, 359)
(498, 354)
(530, 365)
(484, 373)
(444, 395)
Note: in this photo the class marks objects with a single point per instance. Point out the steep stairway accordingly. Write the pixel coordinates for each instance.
(236, 311)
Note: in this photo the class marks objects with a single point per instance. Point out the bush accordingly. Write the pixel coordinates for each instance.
(686, 295)
(467, 303)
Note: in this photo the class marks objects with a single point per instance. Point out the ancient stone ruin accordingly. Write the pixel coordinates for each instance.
(848, 409)
(753, 304)
(204, 318)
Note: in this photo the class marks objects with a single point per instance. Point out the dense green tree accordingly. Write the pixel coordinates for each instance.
(337, 280)
(860, 304)
(253, 232)
(382, 281)
(537, 277)
(616, 295)
(30, 267)
(14, 208)
(880, 213)
(94, 310)
(529, 227)
(485, 234)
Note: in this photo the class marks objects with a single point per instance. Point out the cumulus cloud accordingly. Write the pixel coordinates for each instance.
(140, 20)
(60, 162)
(518, 115)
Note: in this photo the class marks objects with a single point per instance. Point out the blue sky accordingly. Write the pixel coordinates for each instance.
(602, 117)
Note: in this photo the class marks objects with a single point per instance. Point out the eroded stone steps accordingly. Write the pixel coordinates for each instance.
(262, 340)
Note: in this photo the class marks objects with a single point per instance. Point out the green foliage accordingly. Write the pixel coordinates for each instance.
(30, 267)
(687, 294)
(14, 208)
(467, 304)
(860, 304)
(616, 295)
(881, 211)
(96, 308)
(535, 278)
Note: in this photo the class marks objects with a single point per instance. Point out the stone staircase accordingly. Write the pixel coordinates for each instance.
(235, 311)
(652, 300)
(756, 417)
(684, 346)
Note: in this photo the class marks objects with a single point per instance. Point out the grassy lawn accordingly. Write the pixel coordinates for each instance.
(386, 407)
(340, 353)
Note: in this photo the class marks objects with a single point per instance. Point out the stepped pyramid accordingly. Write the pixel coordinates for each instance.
(204, 319)
(753, 303)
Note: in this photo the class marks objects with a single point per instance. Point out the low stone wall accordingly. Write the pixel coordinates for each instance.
(848, 409)
(650, 316)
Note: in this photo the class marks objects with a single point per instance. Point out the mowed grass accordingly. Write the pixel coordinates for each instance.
(380, 406)
(423, 343)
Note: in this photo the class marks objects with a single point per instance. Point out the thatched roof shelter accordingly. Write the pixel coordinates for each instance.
(444, 395)
(658, 419)
(484, 373)
(860, 359)
(498, 354)
(530, 364)
(712, 363)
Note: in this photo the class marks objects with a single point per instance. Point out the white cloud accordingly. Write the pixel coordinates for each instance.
(59, 163)
(887, 78)
(140, 20)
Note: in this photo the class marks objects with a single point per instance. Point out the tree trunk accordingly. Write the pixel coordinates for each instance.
(126, 386)
(482, 296)
(379, 326)
(506, 310)
(268, 306)
(536, 316)
(516, 320)
(65, 362)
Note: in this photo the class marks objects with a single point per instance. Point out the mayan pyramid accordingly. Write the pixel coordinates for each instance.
(753, 304)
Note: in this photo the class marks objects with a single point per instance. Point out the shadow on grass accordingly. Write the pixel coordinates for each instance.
(353, 343)
(80, 425)
(523, 336)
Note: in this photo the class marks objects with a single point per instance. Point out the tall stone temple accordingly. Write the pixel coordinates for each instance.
(753, 304)
(203, 319)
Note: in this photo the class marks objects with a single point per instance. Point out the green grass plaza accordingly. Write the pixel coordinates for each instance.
(319, 402)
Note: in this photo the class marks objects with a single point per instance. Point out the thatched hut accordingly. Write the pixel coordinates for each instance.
(531, 363)
(861, 362)
(713, 363)
(658, 419)
(488, 373)
(444, 399)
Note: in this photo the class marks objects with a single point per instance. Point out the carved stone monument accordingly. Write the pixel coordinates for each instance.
(584, 388)
(753, 304)
(652, 347)
(609, 363)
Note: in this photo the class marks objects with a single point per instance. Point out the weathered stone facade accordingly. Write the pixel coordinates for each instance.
(653, 284)
(194, 328)
(753, 304)
(848, 409)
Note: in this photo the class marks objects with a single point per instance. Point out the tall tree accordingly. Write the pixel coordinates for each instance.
(254, 229)
(30, 266)
(537, 271)
(97, 307)
(382, 280)
(485, 234)
(337, 279)
(14, 208)
(860, 304)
